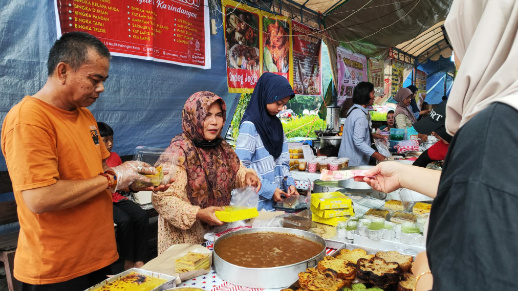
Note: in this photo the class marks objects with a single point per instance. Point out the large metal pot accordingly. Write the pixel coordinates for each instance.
(330, 140)
(276, 277)
(333, 118)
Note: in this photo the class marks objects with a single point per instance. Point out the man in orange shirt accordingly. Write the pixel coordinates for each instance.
(61, 183)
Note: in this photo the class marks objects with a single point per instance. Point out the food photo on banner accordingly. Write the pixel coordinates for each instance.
(307, 72)
(352, 69)
(242, 46)
(174, 32)
(277, 52)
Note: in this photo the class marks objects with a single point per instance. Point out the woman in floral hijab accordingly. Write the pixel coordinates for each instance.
(206, 169)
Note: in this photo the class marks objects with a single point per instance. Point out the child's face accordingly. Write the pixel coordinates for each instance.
(108, 141)
(390, 119)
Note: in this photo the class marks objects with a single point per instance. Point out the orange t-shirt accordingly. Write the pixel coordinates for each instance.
(42, 144)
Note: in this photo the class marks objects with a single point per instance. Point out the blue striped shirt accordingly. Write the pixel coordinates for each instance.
(356, 138)
(253, 154)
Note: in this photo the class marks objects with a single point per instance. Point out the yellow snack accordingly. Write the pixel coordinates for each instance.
(236, 213)
(191, 262)
(422, 208)
(132, 281)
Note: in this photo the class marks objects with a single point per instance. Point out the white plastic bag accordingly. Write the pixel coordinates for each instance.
(245, 197)
(383, 147)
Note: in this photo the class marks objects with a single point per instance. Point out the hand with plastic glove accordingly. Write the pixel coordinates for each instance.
(278, 195)
(253, 180)
(131, 171)
(208, 215)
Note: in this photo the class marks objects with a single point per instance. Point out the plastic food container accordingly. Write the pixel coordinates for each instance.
(312, 166)
(303, 165)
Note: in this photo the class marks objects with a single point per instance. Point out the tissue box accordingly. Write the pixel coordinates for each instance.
(330, 200)
(330, 213)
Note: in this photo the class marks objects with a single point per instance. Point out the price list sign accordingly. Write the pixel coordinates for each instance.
(174, 31)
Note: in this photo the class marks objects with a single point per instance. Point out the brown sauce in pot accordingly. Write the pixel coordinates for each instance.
(266, 249)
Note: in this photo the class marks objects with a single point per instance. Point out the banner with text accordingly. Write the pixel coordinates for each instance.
(307, 73)
(277, 53)
(173, 31)
(242, 44)
(352, 69)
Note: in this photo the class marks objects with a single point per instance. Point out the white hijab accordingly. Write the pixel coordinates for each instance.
(484, 36)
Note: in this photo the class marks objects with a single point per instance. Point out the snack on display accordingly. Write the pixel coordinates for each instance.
(422, 208)
(407, 283)
(323, 230)
(330, 213)
(352, 256)
(372, 213)
(313, 279)
(132, 281)
(400, 217)
(394, 205)
(361, 287)
(343, 271)
(378, 272)
(404, 261)
(191, 262)
(330, 200)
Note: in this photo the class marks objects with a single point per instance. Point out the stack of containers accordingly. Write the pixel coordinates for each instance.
(331, 208)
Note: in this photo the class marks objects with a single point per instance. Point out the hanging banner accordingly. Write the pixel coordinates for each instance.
(174, 31)
(420, 81)
(307, 73)
(352, 69)
(242, 43)
(397, 78)
(277, 54)
(376, 76)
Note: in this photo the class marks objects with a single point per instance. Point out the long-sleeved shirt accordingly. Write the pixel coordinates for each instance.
(356, 138)
(253, 154)
(402, 121)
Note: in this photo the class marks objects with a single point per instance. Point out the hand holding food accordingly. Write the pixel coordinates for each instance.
(208, 215)
(132, 171)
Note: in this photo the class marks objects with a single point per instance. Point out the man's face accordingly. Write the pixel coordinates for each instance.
(85, 84)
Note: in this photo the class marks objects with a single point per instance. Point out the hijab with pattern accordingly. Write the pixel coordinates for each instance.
(270, 88)
(483, 34)
(211, 166)
(401, 95)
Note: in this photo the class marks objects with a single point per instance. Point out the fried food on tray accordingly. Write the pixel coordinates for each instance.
(343, 271)
(315, 280)
(404, 261)
(378, 272)
(352, 256)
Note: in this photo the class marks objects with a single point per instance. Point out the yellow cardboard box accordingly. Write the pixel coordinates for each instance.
(330, 213)
(330, 221)
(236, 213)
(330, 200)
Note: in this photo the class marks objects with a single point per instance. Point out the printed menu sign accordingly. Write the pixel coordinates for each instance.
(242, 46)
(173, 31)
(306, 60)
(352, 69)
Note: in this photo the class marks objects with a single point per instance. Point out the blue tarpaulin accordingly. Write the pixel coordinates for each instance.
(143, 100)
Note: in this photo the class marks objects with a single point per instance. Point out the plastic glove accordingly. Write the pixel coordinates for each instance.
(130, 172)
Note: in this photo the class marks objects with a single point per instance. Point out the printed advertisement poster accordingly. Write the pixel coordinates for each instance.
(376, 76)
(242, 46)
(397, 78)
(307, 74)
(352, 69)
(173, 31)
(420, 81)
(277, 52)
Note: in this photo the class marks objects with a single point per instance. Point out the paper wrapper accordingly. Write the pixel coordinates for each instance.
(165, 262)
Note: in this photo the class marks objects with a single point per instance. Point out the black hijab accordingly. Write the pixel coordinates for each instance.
(270, 88)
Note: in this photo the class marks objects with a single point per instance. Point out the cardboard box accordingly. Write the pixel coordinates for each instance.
(330, 221)
(330, 213)
(330, 200)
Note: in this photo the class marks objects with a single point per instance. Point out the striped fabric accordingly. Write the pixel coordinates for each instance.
(253, 154)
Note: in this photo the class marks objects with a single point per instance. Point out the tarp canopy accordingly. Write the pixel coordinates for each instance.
(142, 101)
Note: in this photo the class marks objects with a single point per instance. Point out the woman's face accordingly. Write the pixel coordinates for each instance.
(213, 122)
(276, 107)
(371, 101)
(390, 119)
(408, 99)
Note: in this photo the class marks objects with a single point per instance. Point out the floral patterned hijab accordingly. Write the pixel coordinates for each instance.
(211, 166)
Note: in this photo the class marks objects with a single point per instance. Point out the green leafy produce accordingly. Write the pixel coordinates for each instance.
(304, 126)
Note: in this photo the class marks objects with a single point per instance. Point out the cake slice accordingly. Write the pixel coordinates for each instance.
(352, 256)
(191, 262)
(422, 208)
(394, 205)
(340, 266)
(378, 272)
(404, 261)
(315, 280)
(407, 283)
